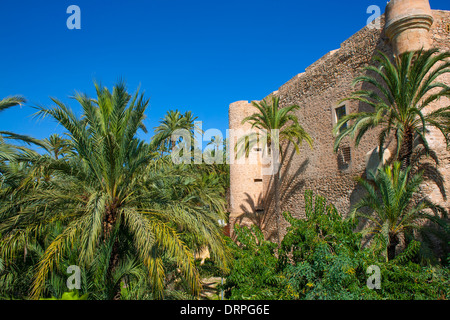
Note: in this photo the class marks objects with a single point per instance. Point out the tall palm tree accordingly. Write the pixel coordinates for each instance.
(401, 91)
(274, 126)
(172, 121)
(391, 198)
(105, 200)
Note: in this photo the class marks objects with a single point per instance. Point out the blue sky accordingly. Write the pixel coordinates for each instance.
(185, 54)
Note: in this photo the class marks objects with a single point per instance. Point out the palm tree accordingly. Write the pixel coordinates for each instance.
(402, 90)
(105, 200)
(217, 142)
(57, 146)
(391, 198)
(172, 121)
(9, 152)
(276, 125)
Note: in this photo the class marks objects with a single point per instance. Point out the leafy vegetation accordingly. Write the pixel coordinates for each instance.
(395, 212)
(321, 257)
(134, 222)
(400, 91)
(109, 203)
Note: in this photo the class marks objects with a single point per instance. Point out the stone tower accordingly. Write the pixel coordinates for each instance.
(246, 180)
(408, 24)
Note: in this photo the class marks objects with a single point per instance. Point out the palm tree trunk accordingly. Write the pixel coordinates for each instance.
(113, 263)
(109, 226)
(276, 182)
(406, 149)
(393, 242)
(277, 206)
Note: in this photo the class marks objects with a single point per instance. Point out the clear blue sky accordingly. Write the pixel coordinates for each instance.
(186, 54)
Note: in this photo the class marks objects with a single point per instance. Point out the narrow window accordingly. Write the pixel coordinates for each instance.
(340, 113)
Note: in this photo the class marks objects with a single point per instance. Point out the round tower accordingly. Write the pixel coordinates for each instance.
(408, 23)
(246, 181)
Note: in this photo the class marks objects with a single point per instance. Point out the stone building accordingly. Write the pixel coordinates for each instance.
(406, 25)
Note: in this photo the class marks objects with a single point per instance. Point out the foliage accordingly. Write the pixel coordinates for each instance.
(13, 152)
(111, 199)
(173, 121)
(254, 269)
(399, 93)
(71, 295)
(270, 116)
(390, 194)
(321, 257)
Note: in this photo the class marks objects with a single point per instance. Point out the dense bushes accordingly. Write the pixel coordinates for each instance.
(321, 257)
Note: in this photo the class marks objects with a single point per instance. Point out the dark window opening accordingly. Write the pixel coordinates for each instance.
(258, 180)
(340, 113)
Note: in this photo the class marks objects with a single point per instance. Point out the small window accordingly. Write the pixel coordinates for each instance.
(258, 180)
(340, 112)
(344, 158)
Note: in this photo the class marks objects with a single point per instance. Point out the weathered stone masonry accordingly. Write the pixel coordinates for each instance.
(411, 25)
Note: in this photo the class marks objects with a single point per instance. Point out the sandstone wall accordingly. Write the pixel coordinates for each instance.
(440, 34)
(318, 91)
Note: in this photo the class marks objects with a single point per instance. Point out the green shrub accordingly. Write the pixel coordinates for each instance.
(321, 257)
(71, 295)
(254, 271)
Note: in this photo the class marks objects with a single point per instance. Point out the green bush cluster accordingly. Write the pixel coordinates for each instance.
(321, 257)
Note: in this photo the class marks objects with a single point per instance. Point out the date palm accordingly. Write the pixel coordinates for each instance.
(172, 121)
(57, 146)
(274, 125)
(216, 142)
(391, 198)
(401, 90)
(104, 199)
(10, 152)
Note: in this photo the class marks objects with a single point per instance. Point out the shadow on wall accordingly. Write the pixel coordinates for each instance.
(253, 216)
(289, 187)
(293, 186)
